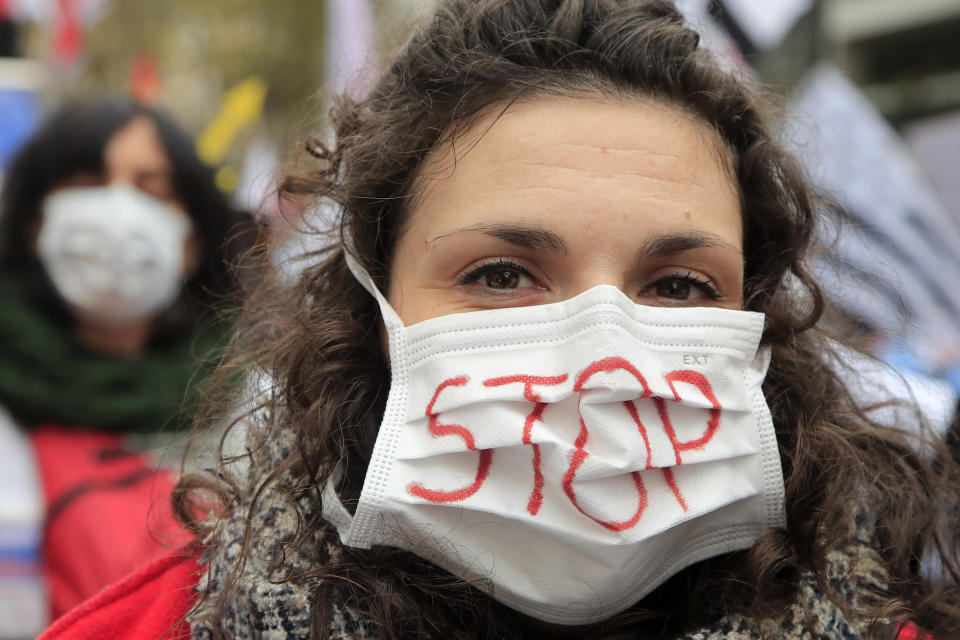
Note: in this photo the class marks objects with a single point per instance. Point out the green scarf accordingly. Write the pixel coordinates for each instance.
(46, 377)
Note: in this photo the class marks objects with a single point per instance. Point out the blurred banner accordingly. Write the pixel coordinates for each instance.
(20, 106)
(897, 238)
(351, 47)
(765, 24)
(935, 142)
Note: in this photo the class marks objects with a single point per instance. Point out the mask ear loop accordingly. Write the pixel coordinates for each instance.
(390, 317)
(359, 529)
(333, 509)
(761, 362)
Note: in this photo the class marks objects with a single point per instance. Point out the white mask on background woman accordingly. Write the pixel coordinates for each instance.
(114, 253)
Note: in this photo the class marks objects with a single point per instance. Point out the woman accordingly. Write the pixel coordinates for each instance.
(559, 377)
(115, 251)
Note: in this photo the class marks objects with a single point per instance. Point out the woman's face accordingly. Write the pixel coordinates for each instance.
(112, 254)
(559, 195)
(134, 155)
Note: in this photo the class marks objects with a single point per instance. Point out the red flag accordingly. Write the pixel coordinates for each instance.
(68, 36)
(145, 85)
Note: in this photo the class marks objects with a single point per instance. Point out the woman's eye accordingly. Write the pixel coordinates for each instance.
(502, 279)
(499, 277)
(685, 288)
(674, 289)
(157, 185)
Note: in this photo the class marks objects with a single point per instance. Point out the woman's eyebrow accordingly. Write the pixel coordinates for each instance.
(525, 237)
(671, 244)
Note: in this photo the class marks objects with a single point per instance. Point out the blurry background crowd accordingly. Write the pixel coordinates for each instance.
(869, 94)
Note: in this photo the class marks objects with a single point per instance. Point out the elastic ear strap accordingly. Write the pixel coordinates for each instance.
(390, 316)
(761, 362)
(334, 511)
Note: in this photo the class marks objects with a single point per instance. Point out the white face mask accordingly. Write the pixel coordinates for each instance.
(569, 458)
(114, 253)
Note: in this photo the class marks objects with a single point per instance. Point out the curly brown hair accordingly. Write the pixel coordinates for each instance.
(318, 339)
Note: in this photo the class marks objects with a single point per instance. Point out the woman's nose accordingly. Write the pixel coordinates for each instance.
(602, 273)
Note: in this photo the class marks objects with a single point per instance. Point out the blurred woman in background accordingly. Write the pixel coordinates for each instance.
(115, 250)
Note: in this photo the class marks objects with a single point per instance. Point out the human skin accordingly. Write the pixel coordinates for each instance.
(556, 195)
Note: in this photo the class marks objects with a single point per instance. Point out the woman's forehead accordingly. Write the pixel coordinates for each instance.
(136, 147)
(572, 162)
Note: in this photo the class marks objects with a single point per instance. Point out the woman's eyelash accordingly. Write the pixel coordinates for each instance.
(706, 286)
(488, 267)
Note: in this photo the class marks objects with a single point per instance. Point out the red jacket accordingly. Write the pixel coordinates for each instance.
(108, 512)
(147, 605)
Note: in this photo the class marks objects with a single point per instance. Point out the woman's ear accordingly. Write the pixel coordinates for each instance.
(192, 254)
(33, 233)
